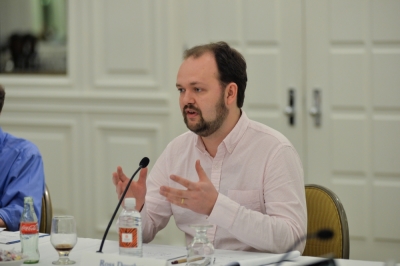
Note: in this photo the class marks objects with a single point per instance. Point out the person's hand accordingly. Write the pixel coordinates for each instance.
(136, 189)
(199, 196)
(2, 223)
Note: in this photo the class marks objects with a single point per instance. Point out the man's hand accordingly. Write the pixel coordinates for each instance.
(136, 189)
(199, 197)
(2, 223)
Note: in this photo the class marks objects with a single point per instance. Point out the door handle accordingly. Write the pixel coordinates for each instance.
(315, 110)
(290, 110)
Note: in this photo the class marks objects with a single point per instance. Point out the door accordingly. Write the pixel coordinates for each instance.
(340, 59)
(269, 35)
(352, 78)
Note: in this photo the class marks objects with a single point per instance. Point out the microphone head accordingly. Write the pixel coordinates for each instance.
(144, 162)
(324, 234)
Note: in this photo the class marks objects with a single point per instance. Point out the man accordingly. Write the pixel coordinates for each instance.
(21, 175)
(242, 177)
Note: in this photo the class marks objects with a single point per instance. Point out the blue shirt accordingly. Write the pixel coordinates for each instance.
(21, 175)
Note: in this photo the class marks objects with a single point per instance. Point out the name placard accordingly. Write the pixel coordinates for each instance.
(100, 259)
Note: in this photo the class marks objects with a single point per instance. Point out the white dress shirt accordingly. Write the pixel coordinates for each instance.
(261, 204)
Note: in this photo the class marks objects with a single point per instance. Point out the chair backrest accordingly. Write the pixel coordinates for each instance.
(47, 212)
(325, 211)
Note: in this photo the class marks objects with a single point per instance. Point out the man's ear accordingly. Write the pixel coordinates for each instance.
(231, 91)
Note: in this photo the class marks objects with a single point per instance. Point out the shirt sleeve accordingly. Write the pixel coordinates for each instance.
(156, 211)
(285, 220)
(26, 178)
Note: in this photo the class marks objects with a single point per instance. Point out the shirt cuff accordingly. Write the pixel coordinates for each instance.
(224, 212)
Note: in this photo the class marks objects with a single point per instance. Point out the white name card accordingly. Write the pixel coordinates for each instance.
(100, 259)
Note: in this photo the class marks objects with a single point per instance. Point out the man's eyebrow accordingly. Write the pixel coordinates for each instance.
(191, 84)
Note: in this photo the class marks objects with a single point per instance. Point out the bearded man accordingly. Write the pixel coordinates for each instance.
(242, 177)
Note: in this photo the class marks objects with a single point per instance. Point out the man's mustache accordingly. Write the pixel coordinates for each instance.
(191, 107)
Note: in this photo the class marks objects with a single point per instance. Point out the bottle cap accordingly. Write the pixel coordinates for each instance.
(130, 202)
(28, 199)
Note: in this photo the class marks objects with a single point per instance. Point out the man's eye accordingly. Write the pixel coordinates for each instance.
(181, 90)
(197, 89)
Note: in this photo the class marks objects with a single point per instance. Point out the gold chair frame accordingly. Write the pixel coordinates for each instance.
(47, 212)
(325, 211)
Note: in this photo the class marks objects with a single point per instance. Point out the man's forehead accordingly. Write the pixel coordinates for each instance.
(197, 66)
(206, 56)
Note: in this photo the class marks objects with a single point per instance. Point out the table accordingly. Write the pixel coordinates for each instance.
(48, 253)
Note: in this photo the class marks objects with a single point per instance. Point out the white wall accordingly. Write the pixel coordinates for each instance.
(112, 108)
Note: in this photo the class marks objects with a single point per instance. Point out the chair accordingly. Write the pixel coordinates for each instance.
(325, 211)
(47, 212)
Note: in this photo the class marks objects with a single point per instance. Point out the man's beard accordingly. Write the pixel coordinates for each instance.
(206, 128)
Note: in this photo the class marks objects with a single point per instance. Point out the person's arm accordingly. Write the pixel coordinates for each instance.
(26, 178)
(285, 220)
(156, 211)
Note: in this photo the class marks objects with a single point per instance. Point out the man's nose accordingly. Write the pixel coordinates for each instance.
(187, 97)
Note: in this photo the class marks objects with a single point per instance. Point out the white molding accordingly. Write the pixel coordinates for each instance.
(92, 103)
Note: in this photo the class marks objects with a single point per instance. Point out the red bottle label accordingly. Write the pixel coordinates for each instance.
(29, 228)
(128, 237)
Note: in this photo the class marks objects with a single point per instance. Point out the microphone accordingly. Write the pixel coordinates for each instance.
(143, 164)
(323, 234)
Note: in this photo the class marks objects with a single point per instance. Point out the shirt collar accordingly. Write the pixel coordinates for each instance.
(237, 133)
(233, 138)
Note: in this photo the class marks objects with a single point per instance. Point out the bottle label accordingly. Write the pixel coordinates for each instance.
(29, 228)
(128, 237)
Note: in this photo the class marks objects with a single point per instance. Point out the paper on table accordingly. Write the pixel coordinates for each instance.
(223, 257)
(8, 237)
(265, 259)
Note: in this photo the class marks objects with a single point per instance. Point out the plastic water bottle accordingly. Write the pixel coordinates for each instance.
(130, 230)
(29, 232)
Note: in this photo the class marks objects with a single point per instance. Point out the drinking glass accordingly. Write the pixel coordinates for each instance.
(200, 251)
(63, 238)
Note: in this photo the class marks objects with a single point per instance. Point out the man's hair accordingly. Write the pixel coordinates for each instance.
(231, 65)
(2, 96)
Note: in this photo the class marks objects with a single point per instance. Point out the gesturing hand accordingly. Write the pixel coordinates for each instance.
(136, 189)
(199, 196)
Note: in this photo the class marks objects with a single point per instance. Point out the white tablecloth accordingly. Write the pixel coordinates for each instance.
(48, 253)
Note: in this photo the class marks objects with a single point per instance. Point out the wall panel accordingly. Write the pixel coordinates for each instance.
(120, 144)
(126, 36)
(57, 140)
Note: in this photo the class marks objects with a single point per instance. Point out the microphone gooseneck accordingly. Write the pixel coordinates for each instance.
(323, 234)
(143, 164)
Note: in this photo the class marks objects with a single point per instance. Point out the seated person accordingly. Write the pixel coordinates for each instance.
(21, 175)
(242, 177)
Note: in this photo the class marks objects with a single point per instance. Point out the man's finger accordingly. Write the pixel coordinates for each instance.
(183, 181)
(142, 176)
(115, 178)
(200, 172)
(118, 176)
(120, 189)
(122, 177)
(172, 192)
